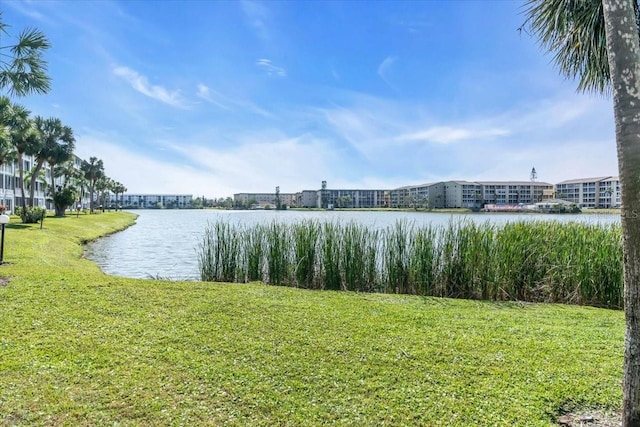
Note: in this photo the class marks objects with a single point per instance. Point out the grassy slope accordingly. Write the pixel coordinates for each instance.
(81, 348)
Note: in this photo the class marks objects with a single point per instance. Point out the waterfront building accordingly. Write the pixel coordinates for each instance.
(307, 199)
(429, 195)
(353, 198)
(515, 192)
(462, 194)
(597, 192)
(265, 199)
(144, 201)
(10, 194)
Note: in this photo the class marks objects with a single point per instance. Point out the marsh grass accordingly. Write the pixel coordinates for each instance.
(528, 261)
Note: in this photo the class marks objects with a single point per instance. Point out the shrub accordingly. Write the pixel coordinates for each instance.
(31, 215)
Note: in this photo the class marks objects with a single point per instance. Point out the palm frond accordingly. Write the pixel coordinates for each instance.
(573, 32)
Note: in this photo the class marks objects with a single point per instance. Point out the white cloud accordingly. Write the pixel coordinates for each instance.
(447, 135)
(142, 85)
(204, 92)
(270, 69)
(250, 166)
(384, 68)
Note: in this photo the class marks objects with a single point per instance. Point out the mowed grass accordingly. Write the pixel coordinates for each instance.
(78, 347)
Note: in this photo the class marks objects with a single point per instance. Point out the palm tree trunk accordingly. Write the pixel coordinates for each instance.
(624, 64)
(91, 198)
(21, 173)
(32, 183)
(53, 182)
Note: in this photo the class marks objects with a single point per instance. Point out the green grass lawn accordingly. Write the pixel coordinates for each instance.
(78, 347)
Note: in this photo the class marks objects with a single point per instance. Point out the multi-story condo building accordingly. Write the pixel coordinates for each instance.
(603, 192)
(10, 193)
(609, 193)
(307, 199)
(462, 194)
(353, 198)
(265, 199)
(515, 192)
(425, 195)
(153, 200)
(598, 192)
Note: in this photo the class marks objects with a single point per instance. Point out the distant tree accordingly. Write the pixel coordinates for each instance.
(344, 201)
(119, 188)
(23, 70)
(57, 144)
(92, 170)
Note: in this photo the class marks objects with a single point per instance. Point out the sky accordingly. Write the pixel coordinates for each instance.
(213, 98)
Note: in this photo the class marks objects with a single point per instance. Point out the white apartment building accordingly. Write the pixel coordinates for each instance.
(425, 195)
(597, 192)
(144, 201)
(352, 198)
(10, 193)
(265, 199)
(462, 194)
(515, 192)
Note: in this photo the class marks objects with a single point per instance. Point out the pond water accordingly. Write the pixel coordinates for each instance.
(164, 243)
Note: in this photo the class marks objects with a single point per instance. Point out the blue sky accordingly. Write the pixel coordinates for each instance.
(217, 97)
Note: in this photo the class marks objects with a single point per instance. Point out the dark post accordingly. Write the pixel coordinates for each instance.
(2, 246)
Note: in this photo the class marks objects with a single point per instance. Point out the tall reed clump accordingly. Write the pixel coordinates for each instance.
(330, 261)
(278, 253)
(254, 252)
(397, 250)
(529, 261)
(358, 257)
(305, 253)
(220, 254)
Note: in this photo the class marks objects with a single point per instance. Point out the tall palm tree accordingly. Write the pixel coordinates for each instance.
(92, 170)
(103, 187)
(23, 70)
(57, 147)
(24, 137)
(119, 188)
(600, 44)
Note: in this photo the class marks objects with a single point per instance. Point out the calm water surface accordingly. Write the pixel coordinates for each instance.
(164, 243)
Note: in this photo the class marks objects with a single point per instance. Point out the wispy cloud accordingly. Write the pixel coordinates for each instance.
(384, 67)
(447, 135)
(272, 70)
(25, 9)
(142, 85)
(205, 93)
(258, 17)
(230, 103)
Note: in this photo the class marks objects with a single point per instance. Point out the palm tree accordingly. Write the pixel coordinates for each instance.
(119, 188)
(93, 170)
(76, 178)
(600, 43)
(32, 176)
(22, 69)
(24, 136)
(7, 151)
(72, 179)
(103, 186)
(57, 147)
